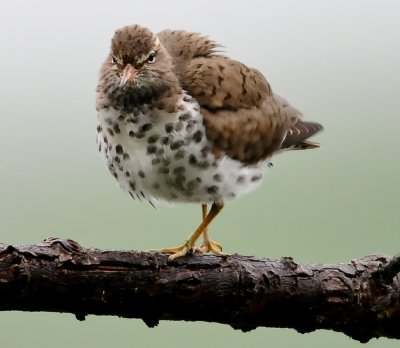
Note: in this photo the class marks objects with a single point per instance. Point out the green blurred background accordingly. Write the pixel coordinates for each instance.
(337, 61)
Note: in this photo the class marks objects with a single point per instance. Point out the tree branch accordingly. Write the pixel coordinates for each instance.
(360, 299)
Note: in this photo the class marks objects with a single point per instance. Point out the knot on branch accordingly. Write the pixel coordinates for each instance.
(387, 272)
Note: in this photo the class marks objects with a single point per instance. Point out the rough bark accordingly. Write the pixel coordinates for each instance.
(360, 299)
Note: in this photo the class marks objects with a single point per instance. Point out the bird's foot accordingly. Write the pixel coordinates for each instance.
(176, 252)
(210, 246)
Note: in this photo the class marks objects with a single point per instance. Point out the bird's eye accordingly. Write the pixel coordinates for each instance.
(113, 60)
(151, 58)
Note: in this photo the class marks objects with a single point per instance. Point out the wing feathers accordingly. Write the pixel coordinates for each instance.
(296, 135)
(242, 117)
(219, 82)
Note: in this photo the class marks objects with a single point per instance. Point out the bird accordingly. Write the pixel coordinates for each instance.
(181, 122)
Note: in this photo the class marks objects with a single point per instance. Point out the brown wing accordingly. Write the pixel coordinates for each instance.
(214, 80)
(181, 43)
(220, 82)
(249, 134)
(243, 118)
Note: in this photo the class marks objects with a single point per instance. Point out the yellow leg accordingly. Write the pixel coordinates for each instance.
(204, 211)
(189, 244)
(208, 244)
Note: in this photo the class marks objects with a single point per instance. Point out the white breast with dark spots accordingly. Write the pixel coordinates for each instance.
(157, 156)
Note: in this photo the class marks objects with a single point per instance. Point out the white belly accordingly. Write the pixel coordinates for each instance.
(157, 156)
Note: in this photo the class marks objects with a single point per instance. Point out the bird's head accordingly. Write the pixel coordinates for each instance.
(138, 69)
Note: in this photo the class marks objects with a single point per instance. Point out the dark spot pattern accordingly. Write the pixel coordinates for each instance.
(153, 138)
(212, 190)
(193, 184)
(166, 162)
(132, 185)
(110, 131)
(146, 127)
(205, 151)
(169, 127)
(179, 170)
(165, 140)
(180, 154)
(217, 177)
(133, 120)
(99, 128)
(203, 165)
(192, 159)
(184, 117)
(197, 136)
(175, 164)
(190, 125)
(151, 149)
(240, 179)
(255, 178)
(176, 144)
(116, 128)
(163, 170)
(179, 181)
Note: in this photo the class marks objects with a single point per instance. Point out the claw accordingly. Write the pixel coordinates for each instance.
(176, 252)
(207, 246)
(210, 246)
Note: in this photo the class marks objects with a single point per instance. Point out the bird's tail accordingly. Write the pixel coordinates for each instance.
(296, 137)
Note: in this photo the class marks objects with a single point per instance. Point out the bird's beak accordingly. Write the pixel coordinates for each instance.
(128, 75)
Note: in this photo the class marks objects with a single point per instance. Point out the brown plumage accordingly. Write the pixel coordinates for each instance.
(181, 122)
(243, 118)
